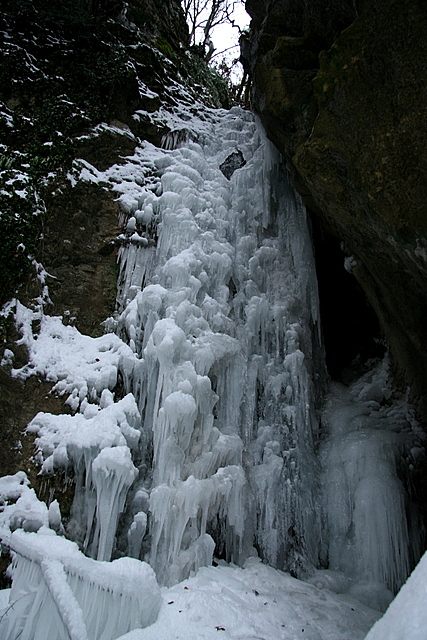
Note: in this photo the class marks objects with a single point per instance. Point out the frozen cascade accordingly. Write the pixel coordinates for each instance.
(217, 334)
(194, 426)
(225, 329)
(373, 532)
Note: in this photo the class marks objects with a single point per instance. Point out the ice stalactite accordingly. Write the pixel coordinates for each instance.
(113, 474)
(96, 447)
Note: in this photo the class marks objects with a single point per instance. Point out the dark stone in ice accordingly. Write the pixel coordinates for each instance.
(234, 161)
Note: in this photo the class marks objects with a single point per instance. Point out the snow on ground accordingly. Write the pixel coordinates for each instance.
(406, 617)
(254, 603)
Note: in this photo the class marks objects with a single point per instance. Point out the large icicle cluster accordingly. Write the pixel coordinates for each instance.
(215, 338)
(225, 333)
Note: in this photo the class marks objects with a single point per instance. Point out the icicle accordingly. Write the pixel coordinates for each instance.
(181, 514)
(113, 474)
(97, 448)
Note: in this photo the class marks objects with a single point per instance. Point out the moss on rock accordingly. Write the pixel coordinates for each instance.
(354, 135)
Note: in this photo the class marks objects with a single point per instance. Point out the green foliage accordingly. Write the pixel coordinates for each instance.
(19, 228)
(163, 45)
(209, 78)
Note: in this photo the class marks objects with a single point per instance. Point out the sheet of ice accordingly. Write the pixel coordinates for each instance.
(4, 600)
(249, 603)
(372, 536)
(71, 614)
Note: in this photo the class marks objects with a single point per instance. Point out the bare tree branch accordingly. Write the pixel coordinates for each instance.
(219, 53)
(204, 15)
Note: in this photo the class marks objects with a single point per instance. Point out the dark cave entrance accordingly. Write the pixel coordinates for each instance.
(350, 327)
(352, 337)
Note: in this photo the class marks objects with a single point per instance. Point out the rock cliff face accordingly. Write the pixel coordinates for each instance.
(341, 88)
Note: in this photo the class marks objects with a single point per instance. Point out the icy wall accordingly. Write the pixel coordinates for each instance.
(194, 424)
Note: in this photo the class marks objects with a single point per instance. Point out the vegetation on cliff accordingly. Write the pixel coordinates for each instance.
(68, 66)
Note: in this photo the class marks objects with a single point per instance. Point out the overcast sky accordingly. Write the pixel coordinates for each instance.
(223, 36)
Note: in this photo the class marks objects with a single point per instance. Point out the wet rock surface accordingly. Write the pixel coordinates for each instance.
(234, 161)
(342, 94)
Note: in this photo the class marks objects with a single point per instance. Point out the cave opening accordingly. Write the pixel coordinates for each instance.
(351, 330)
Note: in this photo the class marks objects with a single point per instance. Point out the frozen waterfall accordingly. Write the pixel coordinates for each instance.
(222, 317)
(195, 425)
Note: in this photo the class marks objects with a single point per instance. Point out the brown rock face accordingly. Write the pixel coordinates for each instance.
(83, 221)
(352, 122)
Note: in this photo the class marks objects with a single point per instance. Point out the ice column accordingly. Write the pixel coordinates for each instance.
(373, 530)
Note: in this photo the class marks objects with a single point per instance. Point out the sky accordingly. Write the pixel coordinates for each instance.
(225, 36)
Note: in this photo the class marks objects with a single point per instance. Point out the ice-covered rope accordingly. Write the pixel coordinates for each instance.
(68, 607)
(68, 593)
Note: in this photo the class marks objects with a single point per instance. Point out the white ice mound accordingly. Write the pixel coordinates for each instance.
(80, 366)
(97, 449)
(406, 616)
(59, 593)
(20, 507)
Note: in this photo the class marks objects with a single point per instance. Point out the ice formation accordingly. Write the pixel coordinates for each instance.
(215, 338)
(212, 445)
(224, 326)
(97, 445)
(372, 531)
(58, 592)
